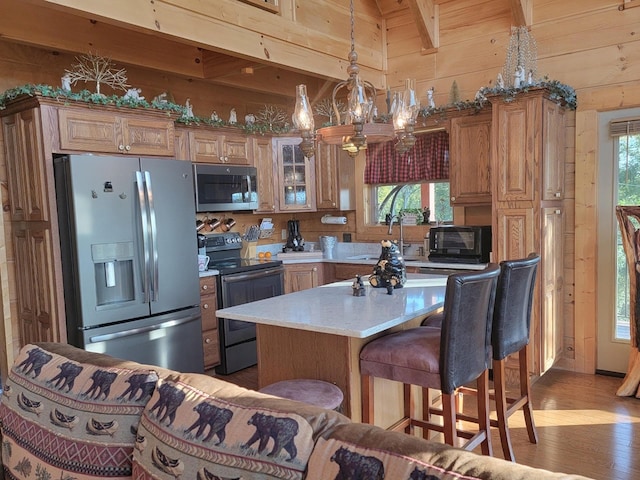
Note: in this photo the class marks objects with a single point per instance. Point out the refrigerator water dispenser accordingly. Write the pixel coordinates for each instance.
(113, 272)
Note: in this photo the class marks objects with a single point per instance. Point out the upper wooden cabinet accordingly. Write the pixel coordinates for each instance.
(24, 157)
(267, 179)
(208, 146)
(92, 131)
(529, 141)
(335, 178)
(470, 150)
(295, 176)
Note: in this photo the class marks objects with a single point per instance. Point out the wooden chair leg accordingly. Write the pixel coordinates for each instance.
(449, 419)
(366, 384)
(484, 423)
(426, 412)
(525, 392)
(408, 406)
(501, 408)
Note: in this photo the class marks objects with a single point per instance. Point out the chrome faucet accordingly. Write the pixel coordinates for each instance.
(401, 241)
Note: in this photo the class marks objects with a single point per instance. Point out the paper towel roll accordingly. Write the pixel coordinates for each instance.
(335, 220)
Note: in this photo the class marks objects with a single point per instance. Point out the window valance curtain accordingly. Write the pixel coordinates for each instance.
(427, 160)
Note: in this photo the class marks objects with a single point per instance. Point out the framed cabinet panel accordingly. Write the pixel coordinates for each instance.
(263, 160)
(335, 178)
(210, 333)
(209, 146)
(302, 276)
(27, 183)
(91, 131)
(516, 149)
(470, 160)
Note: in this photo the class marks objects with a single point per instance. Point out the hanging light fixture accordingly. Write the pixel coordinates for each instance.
(358, 127)
(405, 108)
(303, 121)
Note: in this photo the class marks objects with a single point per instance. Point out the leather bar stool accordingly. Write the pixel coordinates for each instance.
(510, 334)
(443, 359)
(314, 392)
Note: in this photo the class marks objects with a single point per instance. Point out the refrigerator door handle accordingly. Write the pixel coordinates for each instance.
(155, 279)
(136, 331)
(146, 280)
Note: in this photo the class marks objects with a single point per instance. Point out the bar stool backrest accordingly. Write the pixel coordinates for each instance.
(466, 328)
(512, 312)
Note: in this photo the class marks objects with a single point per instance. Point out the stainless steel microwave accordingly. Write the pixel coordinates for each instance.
(223, 188)
(460, 244)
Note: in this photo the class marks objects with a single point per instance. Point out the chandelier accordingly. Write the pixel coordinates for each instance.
(355, 128)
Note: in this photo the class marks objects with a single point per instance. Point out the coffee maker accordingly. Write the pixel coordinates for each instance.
(295, 242)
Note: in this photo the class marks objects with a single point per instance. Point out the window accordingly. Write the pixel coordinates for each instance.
(413, 198)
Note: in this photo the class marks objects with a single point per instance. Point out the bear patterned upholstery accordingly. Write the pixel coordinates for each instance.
(64, 419)
(365, 451)
(195, 427)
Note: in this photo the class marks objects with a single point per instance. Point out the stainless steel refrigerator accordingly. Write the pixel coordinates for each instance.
(129, 258)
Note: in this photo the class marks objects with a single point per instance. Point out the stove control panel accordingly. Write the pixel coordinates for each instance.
(223, 241)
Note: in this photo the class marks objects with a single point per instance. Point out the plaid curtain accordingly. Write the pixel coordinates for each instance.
(427, 160)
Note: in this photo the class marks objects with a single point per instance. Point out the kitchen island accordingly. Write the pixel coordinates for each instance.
(318, 333)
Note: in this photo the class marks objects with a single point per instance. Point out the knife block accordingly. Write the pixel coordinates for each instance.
(248, 249)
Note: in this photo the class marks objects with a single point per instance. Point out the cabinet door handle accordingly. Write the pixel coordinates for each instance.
(558, 194)
(204, 287)
(121, 147)
(453, 199)
(127, 148)
(315, 269)
(207, 340)
(205, 306)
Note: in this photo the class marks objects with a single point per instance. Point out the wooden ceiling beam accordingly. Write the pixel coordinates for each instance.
(522, 12)
(426, 16)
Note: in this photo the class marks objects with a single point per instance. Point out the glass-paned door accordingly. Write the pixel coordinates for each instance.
(618, 184)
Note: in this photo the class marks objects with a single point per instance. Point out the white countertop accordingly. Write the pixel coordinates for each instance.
(332, 308)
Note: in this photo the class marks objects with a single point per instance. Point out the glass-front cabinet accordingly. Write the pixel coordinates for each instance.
(296, 179)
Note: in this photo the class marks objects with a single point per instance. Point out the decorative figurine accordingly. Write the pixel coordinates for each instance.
(358, 287)
(161, 99)
(530, 78)
(519, 78)
(430, 101)
(500, 81)
(233, 118)
(66, 82)
(249, 119)
(215, 117)
(390, 272)
(133, 94)
(188, 109)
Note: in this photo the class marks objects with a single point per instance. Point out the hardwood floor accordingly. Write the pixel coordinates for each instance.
(583, 427)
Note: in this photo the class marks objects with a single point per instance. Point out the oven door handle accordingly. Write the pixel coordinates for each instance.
(238, 277)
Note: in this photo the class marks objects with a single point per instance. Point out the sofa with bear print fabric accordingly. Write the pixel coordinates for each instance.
(68, 414)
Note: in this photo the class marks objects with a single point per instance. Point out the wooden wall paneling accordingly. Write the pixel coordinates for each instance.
(230, 26)
(65, 32)
(586, 243)
(597, 27)
(548, 10)
(600, 66)
(487, 16)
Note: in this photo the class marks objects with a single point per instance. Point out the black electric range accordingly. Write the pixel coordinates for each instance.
(223, 250)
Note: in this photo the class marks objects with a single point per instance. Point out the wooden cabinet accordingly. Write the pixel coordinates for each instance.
(528, 204)
(267, 178)
(335, 178)
(24, 156)
(210, 338)
(470, 159)
(302, 276)
(33, 287)
(101, 131)
(348, 271)
(295, 176)
(208, 146)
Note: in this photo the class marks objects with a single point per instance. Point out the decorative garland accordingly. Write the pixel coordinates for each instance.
(557, 91)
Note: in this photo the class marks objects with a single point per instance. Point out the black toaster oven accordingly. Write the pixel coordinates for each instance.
(460, 244)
